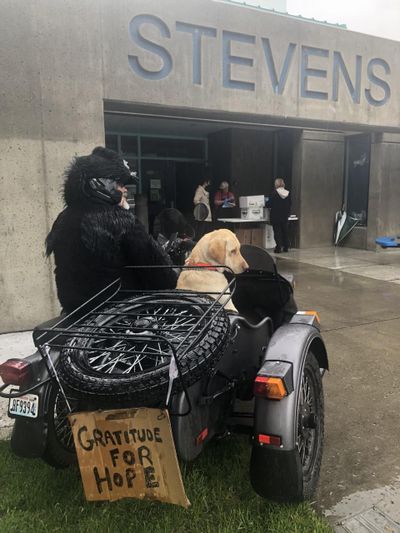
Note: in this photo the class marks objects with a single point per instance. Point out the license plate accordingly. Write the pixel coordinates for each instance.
(26, 406)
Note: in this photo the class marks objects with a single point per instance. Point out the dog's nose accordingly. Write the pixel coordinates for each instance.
(245, 266)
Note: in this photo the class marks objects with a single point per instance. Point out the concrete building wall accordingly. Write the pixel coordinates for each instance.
(51, 109)
(317, 185)
(61, 60)
(248, 61)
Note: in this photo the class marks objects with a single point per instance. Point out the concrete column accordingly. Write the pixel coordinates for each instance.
(51, 109)
(317, 185)
(384, 188)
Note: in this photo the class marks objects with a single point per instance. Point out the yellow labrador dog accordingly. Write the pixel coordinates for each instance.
(219, 247)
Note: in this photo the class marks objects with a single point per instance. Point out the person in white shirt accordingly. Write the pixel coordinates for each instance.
(280, 204)
(202, 214)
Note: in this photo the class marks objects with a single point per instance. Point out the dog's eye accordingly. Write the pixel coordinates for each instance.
(233, 252)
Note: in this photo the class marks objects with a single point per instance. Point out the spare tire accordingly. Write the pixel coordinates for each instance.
(123, 352)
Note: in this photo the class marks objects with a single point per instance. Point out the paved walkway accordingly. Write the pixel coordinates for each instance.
(358, 296)
(382, 265)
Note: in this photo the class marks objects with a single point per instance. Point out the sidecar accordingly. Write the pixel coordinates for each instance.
(258, 371)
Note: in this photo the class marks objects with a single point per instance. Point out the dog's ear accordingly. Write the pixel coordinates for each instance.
(217, 250)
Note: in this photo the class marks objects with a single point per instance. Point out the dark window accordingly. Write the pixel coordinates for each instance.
(358, 149)
(132, 162)
(112, 142)
(133, 189)
(129, 145)
(173, 148)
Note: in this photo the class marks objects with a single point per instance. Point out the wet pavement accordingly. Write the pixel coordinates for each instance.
(380, 265)
(360, 314)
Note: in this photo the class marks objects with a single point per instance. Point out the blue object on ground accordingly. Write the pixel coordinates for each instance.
(388, 242)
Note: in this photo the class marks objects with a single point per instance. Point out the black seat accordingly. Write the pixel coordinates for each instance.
(258, 258)
(261, 291)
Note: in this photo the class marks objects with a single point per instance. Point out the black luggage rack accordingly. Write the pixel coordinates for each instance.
(169, 328)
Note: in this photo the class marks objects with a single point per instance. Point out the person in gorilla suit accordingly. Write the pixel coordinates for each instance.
(96, 235)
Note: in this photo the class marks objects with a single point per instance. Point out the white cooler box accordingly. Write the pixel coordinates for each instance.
(251, 201)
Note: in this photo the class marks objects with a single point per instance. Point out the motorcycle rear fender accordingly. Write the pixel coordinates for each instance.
(29, 435)
(290, 345)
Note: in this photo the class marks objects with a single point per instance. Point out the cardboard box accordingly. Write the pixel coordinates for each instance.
(252, 213)
(251, 201)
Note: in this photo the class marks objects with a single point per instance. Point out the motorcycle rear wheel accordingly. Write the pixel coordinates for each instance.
(310, 425)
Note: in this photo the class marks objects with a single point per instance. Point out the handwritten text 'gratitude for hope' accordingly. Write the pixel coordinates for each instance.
(89, 439)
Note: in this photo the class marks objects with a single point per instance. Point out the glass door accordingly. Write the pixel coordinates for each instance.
(358, 149)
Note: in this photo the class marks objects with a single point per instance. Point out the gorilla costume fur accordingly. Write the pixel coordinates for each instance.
(93, 238)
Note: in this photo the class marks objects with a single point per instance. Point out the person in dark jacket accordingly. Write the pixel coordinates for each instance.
(280, 203)
(97, 235)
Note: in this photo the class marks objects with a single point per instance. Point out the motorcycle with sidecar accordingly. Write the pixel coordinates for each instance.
(258, 371)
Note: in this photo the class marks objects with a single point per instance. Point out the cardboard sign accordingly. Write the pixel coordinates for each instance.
(128, 453)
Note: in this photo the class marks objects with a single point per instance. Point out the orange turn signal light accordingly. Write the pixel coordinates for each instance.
(311, 313)
(268, 387)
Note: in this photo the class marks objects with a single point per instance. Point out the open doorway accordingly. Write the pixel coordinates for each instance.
(173, 155)
(168, 183)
